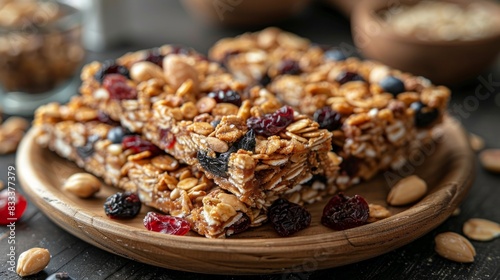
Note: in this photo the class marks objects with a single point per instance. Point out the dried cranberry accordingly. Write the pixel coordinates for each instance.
(271, 124)
(346, 76)
(217, 166)
(105, 118)
(138, 145)
(122, 205)
(166, 224)
(87, 150)
(392, 85)
(116, 134)
(327, 118)
(118, 88)
(167, 138)
(155, 57)
(110, 67)
(288, 218)
(239, 226)
(289, 67)
(350, 165)
(226, 96)
(424, 115)
(12, 206)
(344, 212)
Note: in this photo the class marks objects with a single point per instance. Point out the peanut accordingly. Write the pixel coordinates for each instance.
(144, 70)
(83, 185)
(32, 261)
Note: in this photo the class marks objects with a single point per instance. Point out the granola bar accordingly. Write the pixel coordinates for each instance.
(173, 106)
(161, 181)
(374, 128)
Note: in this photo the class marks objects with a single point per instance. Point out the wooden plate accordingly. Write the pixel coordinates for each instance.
(448, 170)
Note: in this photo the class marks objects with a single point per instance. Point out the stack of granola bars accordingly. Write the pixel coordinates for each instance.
(216, 141)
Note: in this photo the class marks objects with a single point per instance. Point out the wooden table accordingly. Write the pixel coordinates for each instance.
(323, 25)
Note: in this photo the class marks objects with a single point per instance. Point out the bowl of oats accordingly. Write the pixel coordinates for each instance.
(448, 41)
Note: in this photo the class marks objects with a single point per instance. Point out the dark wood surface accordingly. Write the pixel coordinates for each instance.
(170, 24)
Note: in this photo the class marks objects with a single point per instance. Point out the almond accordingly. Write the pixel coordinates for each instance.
(177, 70)
(407, 190)
(144, 70)
(83, 185)
(481, 229)
(455, 247)
(476, 142)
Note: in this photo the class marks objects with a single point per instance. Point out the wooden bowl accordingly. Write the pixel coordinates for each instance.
(244, 13)
(444, 62)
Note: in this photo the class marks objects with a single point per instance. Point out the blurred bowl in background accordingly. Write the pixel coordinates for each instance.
(410, 36)
(244, 13)
(41, 52)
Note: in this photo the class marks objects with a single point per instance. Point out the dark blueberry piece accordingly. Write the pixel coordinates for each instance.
(424, 115)
(110, 67)
(327, 118)
(350, 165)
(105, 118)
(288, 218)
(215, 123)
(335, 55)
(122, 205)
(59, 276)
(226, 96)
(240, 226)
(155, 57)
(116, 134)
(217, 166)
(265, 80)
(87, 150)
(392, 85)
(344, 212)
(289, 67)
(247, 142)
(346, 76)
(271, 124)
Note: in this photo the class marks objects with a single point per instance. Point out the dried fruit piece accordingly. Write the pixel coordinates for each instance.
(247, 142)
(110, 67)
(407, 190)
(166, 224)
(490, 160)
(424, 115)
(138, 145)
(87, 150)
(481, 229)
(392, 85)
(226, 96)
(350, 165)
(265, 80)
(167, 138)
(344, 212)
(289, 67)
(32, 261)
(346, 76)
(12, 206)
(335, 55)
(122, 205)
(288, 218)
(83, 185)
(217, 166)
(271, 124)
(155, 57)
(327, 118)
(239, 226)
(455, 247)
(104, 118)
(116, 134)
(118, 87)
